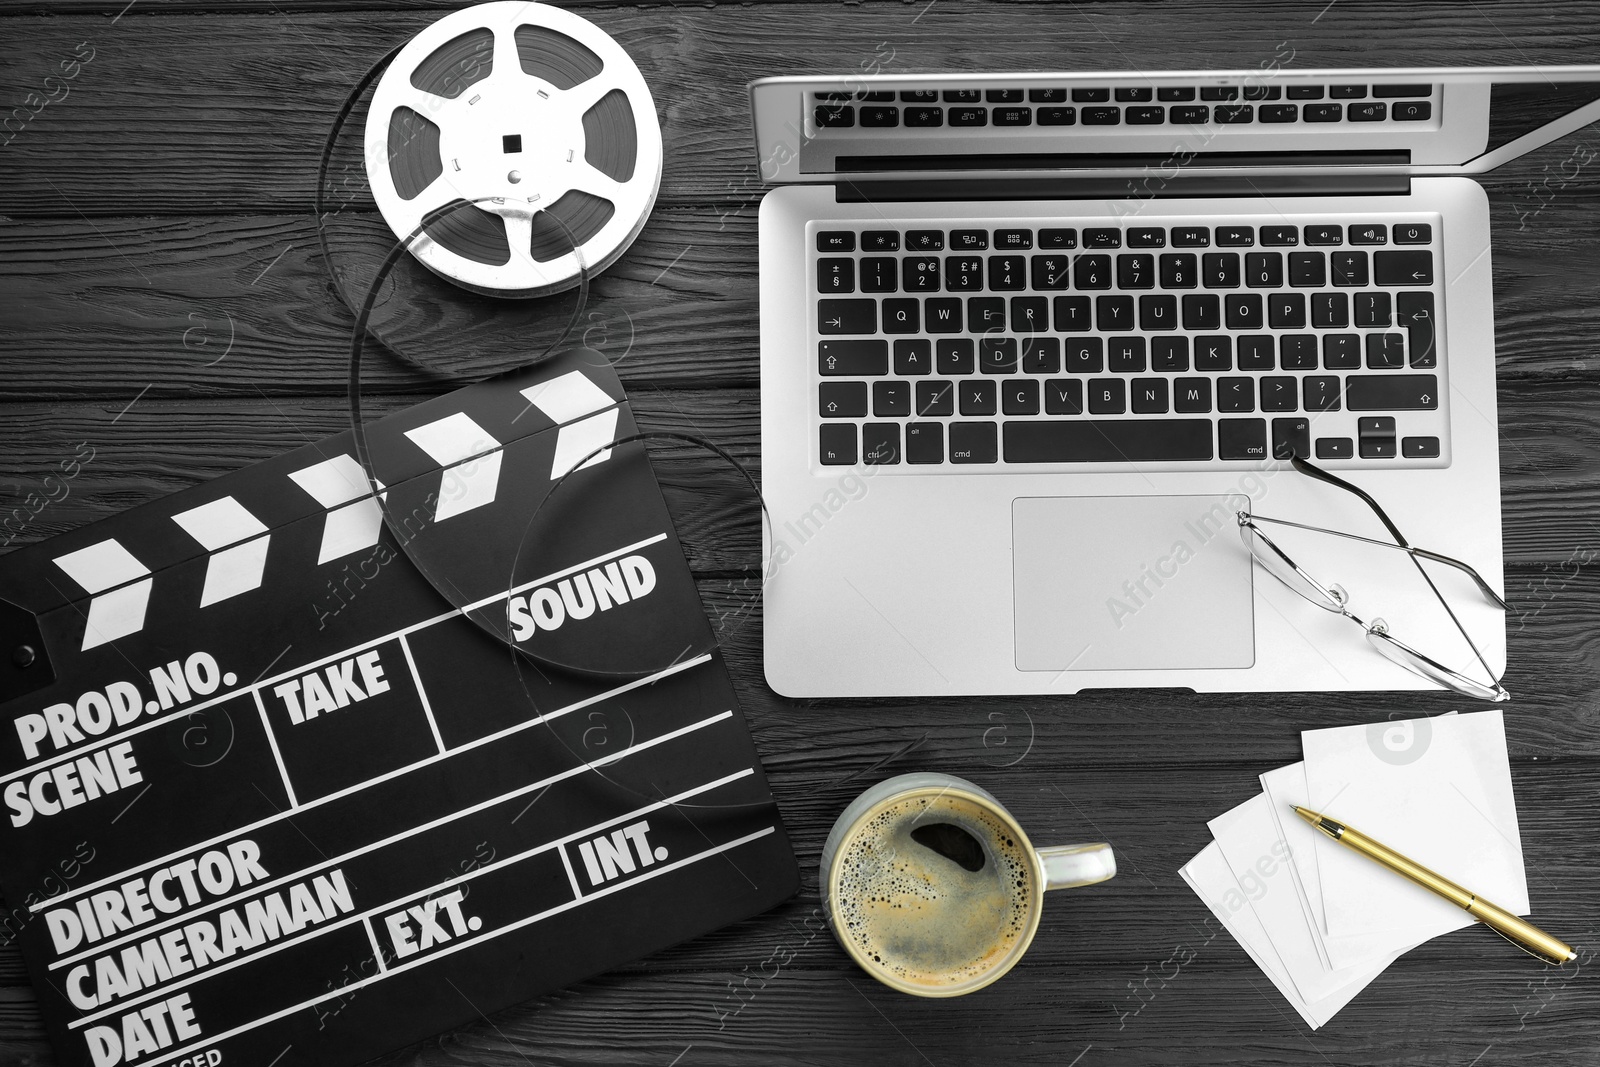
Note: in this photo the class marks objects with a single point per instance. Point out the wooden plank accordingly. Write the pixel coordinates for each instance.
(243, 305)
(131, 135)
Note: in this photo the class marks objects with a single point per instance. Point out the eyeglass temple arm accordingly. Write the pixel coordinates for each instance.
(1313, 471)
(1318, 473)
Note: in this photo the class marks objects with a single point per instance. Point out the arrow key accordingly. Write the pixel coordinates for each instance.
(850, 316)
(1411, 267)
(842, 400)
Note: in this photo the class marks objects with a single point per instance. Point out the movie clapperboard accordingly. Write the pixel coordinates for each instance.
(271, 798)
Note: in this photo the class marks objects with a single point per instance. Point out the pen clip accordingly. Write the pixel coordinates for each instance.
(1536, 955)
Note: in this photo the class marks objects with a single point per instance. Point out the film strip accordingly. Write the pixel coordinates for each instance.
(303, 797)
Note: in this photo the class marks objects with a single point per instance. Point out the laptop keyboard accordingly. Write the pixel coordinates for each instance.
(1166, 346)
(1227, 105)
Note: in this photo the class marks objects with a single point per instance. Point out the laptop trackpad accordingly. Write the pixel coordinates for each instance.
(1130, 583)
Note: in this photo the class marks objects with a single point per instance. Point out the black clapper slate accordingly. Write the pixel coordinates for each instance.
(340, 824)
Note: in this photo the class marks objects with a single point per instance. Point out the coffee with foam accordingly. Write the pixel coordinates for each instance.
(936, 890)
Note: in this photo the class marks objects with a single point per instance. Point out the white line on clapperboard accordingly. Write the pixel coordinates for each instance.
(558, 713)
(461, 945)
(261, 684)
(205, 974)
(256, 890)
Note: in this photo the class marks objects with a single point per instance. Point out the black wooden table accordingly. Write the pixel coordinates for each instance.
(164, 306)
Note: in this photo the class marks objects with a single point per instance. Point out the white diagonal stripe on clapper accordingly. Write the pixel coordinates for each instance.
(231, 570)
(354, 516)
(474, 478)
(101, 567)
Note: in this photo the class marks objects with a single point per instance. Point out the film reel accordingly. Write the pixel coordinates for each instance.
(533, 107)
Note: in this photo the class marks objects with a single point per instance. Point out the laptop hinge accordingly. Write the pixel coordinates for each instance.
(1120, 188)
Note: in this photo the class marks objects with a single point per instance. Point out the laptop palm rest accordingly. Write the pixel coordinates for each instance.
(1130, 583)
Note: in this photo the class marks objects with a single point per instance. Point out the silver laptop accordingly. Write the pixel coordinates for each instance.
(1031, 343)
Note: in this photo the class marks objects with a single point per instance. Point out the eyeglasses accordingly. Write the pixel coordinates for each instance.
(1333, 597)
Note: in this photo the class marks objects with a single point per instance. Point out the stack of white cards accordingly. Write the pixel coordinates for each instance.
(1323, 921)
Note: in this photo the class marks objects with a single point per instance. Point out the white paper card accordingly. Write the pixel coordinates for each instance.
(1208, 875)
(1436, 790)
(1259, 860)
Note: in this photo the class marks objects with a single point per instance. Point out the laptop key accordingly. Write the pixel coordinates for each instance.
(1047, 96)
(1402, 268)
(1285, 311)
(924, 117)
(1220, 269)
(1256, 352)
(1391, 91)
(912, 358)
(925, 442)
(902, 315)
(1280, 112)
(1003, 96)
(1149, 396)
(920, 274)
(1180, 270)
(954, 355)
(1304, 92)
(1372, 309)
(1236, 394)
(1007, 273)
(880, 443)
(986, 313)
(943, 314)
(1291, 437)
(836, 275)
(1369, 111)
(1349, 268)
(835, 117)
(842, 400)
(1323, 112)
(836, 241)
(1241, 438)
(1102, 116)
(1368, 233)
(1330, 311)
(969, 116)
(1107, 396)
(924, 240)
(919, 96)
(1013, 116)
(1412, 111)
(1335, 448)
(1392, 392)
(1063, 396)
(1297, 351)
(1385, 351)
(1020, 396)
(1085, 355)
(847, 316)
(973, 442)
(1013, 239)
(1420, 447)
(1243, 311)
(977, 396)
(1107, 440)
(1057, 116)
(1347, 92)
(1279, 394)
(1341, 351)
(969, 240)
(1213, 353)
(1220, 92)
(1125, 354)
(1191, 237)
(1041, 355)
(1263, 92)
(1414, 312)
(1153, 115)
(837, 443)
(852, 359)
(935, 398)
(1263, 270)
(1029, 314)
(1169, 353)
(963, 96)
(1071, 314)
(1058, 238)
(880, 274)
(1051, 272)
(1320, 392)
(1236, 236)
(1092, 272)
(1191, 394)
(1193, 114)
(996, 355)
(1113, 313)
(1234, 114)
(1413, 233)
(1158, 312)
(1282, 236)
(1136, 271)
(880, 115)
(880, 241)
(1147, 237)
(891, 399)
(1102, 238)
(963, 274)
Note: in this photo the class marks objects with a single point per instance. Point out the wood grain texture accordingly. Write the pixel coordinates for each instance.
(162, 298)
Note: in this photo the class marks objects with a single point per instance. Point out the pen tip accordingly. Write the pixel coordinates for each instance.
(1307, 814)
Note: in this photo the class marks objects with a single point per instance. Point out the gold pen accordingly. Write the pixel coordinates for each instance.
(1519, 932)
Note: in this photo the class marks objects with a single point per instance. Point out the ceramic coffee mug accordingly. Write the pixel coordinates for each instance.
(933, 888)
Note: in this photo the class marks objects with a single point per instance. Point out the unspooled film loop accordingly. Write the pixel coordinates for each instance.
(435, 566)
(604, 730)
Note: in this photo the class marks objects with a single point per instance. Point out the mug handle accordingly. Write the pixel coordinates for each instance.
(1066, 866)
